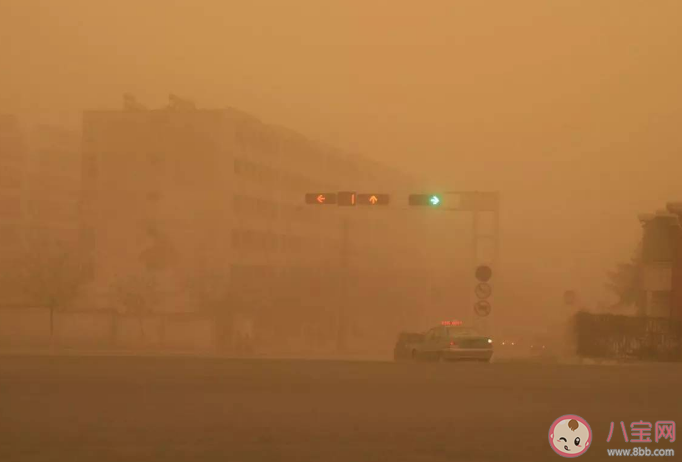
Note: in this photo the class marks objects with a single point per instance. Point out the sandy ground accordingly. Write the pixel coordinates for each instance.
(197, 409)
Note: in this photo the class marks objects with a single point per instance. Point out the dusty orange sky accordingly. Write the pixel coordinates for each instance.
(571, 108)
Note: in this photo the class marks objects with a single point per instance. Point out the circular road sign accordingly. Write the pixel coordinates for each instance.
(484, 273)
(483, 290)
(482, 308)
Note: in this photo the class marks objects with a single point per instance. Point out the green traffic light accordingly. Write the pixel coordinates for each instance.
(430, 200)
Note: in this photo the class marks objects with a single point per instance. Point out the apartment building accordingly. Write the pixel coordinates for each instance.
(660, 269)
(157, 189)
(53, 183)
(179, 192)
(12, 168)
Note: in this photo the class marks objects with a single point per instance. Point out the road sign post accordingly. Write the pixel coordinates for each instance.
(482, 308)
(484, 273)
(483, 290)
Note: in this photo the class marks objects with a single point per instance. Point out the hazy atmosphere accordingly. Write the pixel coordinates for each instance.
(570, 109)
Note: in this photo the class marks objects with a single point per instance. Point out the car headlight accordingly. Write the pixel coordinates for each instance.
(490, 340)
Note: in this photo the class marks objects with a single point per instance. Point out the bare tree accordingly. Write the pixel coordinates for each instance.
(48, 273)
(208, 289)
(160, 254)
(138, 294)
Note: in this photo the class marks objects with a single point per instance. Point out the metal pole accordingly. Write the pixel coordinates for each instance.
(496, 261)
(496, 234)
(474, 261)
(343, 286)
(475, 236)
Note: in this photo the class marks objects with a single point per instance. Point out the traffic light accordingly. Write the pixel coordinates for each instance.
(346, 198)
(431, 200)
(373, 199)
(320, 198)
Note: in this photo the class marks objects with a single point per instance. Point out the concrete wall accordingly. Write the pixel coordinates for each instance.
(26, 327)
(97, 330)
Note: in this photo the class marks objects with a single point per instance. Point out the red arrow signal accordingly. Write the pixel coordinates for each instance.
(320, 198)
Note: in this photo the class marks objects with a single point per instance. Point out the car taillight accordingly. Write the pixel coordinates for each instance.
(453, 344)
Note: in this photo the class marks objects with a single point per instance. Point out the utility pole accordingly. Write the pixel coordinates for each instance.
(344, 274)
(477, 203)
(475, 225)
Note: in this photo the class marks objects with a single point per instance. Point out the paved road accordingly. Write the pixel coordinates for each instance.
(105, 409)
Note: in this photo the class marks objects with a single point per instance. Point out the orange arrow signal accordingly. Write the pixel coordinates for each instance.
(373, 199)
(320, 199)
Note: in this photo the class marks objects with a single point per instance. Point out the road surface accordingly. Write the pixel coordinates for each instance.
(118, 409)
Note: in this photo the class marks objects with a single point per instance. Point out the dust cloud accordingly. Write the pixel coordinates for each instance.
(571, 109)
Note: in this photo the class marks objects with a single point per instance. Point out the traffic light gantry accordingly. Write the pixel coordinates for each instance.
(462, 201)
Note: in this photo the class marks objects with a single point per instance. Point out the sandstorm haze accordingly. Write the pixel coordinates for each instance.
(570, 108)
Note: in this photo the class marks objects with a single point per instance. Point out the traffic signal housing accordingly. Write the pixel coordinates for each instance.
(373, 199)
(427, 200)
(320, 198)
(346, 198)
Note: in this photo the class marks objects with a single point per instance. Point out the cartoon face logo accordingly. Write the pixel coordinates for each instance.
(570, 436)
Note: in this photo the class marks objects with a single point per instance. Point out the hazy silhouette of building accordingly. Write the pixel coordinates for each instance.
(181, 192)
(12, 183)
(53, 183)
(660, 271)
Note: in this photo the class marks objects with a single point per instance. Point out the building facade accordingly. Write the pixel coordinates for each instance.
(659, 274)
(12, 184)
(209, 203)
(53, 184)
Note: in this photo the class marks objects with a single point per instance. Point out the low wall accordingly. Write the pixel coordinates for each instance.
(28, 327)
(188, 332)
(139, 331)
(83, 329)
(628, 337)
(101, 330)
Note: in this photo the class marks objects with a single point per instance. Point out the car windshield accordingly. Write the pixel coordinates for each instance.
(461, 331)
